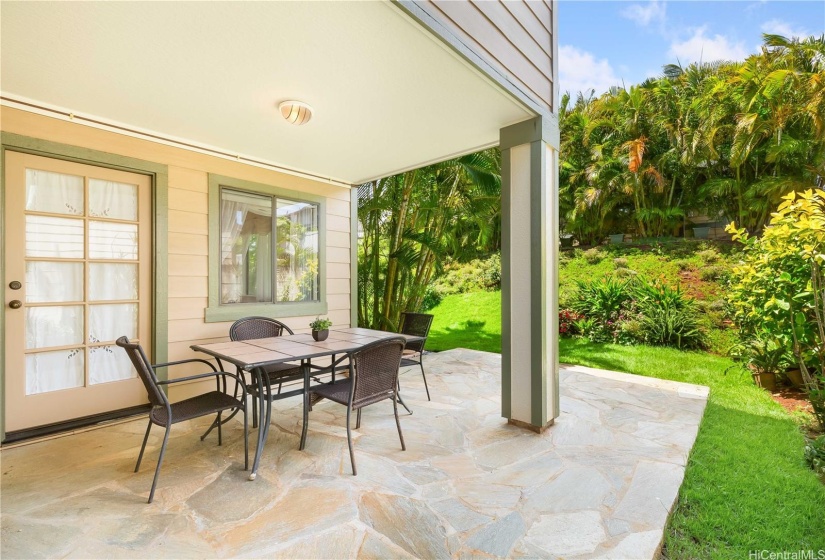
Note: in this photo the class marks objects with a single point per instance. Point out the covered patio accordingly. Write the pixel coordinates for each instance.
(601, 483)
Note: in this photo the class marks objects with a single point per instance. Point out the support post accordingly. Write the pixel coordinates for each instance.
(529, 279)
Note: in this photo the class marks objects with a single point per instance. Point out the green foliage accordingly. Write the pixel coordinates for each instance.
(724, 139)
(713, 272)
(637, 311)
(416, 222)
(815, 454)
(620, 262)
(593, 256)
(320, 324)
(460, 278)
(779, 288)
(667, 317)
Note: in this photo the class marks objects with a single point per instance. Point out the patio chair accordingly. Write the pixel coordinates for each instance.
(416, 324)
(373, 377)
(250, 328)
(164, 413)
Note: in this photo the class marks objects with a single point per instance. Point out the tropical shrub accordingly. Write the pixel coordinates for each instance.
(603, 299)
(593, 256)
(567, 322)
(667, 317)
(779, 288)
(815, 454)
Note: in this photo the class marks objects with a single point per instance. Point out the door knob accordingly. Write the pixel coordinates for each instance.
(15, 285)
(15, 304)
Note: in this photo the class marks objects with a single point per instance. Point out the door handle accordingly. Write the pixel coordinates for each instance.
(15, 285)
(15, 304)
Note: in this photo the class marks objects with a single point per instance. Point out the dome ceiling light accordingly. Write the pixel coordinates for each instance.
(296, 112)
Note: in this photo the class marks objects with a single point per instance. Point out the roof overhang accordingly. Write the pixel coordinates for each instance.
(387, 94)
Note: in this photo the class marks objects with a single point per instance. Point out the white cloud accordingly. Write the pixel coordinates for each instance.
(779, 27)
(644, 15)
(699, 46)
(580, 71)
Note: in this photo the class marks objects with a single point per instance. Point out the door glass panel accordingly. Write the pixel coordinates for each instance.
(52, 371)
(113, 200)
(54, 281)
(108, 240)
(54, 192)
(112, 281)
(110, 322)
(109, 363)
(54, 237)
(54, 326)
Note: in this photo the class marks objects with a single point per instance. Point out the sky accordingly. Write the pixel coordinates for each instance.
(606, 43)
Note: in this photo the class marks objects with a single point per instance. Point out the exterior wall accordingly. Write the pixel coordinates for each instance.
(515, 39)
(188, 226)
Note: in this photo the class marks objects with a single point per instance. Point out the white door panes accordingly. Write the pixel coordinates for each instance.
(113, 200)
(55, 193)
(113, 281)
(111, 240)
(54, 237)
(54, 326)
(109, 363)
(110, 322)
(54, 281)
(52, 371)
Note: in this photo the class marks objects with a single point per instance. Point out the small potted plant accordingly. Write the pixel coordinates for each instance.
(320, 328)
(764, 357)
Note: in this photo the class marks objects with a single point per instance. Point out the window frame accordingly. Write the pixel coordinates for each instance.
(216, 311)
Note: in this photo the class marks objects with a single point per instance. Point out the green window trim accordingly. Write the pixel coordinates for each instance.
(217, 312)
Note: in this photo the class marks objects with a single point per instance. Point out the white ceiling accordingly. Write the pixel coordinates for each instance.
(387, 96)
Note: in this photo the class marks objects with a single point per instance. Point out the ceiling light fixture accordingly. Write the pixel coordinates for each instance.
(296, 112)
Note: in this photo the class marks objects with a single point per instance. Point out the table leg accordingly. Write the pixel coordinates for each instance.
(305, 368)
(259, 375)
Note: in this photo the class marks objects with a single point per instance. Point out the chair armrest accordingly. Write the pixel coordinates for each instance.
(179, 362)
(216, 374)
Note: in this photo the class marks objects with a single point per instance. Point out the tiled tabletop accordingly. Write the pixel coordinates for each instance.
(250, 354)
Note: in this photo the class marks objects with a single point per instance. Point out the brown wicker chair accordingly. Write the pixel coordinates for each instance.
(250, 328)
(416, 324)
(165, 414)
(373, 377)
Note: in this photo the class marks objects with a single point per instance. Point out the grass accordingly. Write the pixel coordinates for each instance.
(746, 485)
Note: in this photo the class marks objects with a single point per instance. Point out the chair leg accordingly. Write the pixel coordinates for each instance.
(220, 435)
(421, 365)
(209, 431)
(358, 420)
(143, 447)
(349, 442)
(398, 424)
(160, 461)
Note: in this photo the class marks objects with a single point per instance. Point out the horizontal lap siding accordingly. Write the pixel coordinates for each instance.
(514, 37)
(188, 227)
(188, 265)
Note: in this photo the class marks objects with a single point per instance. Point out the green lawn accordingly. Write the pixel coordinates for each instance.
(746, 486)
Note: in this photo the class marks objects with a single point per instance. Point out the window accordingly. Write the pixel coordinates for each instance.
(269, 248)
(267, 251)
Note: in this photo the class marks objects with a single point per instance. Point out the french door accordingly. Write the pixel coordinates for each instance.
(78, 276)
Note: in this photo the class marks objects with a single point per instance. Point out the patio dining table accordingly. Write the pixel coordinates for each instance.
(256, 355)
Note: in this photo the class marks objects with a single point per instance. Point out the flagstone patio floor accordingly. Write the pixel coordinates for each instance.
(599, 483)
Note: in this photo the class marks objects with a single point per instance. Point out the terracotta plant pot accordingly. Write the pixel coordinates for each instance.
(765, 380)
(320, 335)
(795, 377)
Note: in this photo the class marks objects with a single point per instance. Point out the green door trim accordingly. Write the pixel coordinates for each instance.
(160, 252)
